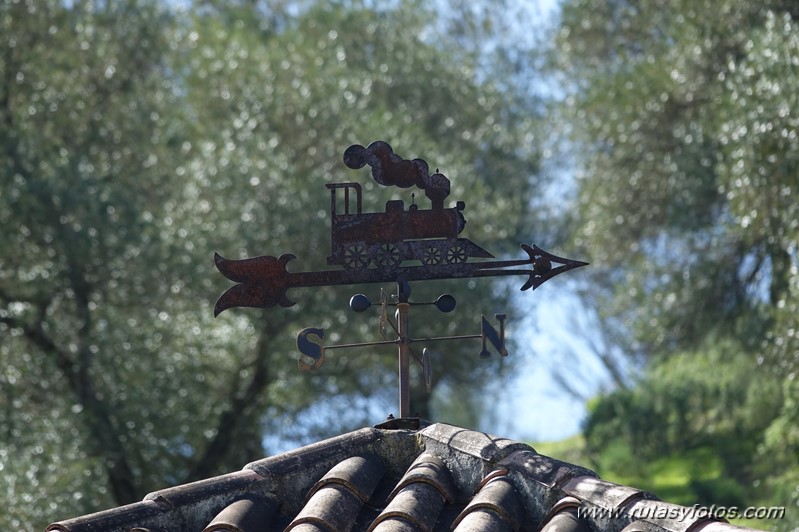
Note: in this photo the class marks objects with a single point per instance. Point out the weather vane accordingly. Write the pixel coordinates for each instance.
(399, 245)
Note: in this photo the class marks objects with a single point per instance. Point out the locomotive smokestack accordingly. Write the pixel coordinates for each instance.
(389, 169)
(436, 188)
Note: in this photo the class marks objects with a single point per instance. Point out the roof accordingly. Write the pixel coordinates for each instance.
(404, 474)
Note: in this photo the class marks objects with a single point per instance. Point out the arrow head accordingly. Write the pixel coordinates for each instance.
(542, 266)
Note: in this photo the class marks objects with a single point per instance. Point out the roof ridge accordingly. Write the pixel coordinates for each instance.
(463, 465)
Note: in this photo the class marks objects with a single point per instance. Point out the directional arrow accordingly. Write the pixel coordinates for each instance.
(401, 244)
(264, 281)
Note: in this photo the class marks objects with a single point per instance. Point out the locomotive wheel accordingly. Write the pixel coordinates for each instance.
(387, 255)
(456, 254)
(356, 256)
(431, 254)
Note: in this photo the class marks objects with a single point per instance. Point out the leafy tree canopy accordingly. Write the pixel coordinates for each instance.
(140, 138)
(684, 118)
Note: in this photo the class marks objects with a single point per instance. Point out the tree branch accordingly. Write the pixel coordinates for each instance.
(97, 417)
(232, 419)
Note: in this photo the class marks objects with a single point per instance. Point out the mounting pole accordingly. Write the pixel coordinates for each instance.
(404, 348)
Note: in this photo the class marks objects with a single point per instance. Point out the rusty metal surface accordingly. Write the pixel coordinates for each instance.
(313, 350)
(401, 244)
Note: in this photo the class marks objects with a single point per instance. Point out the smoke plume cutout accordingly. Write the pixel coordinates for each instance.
(389, 169)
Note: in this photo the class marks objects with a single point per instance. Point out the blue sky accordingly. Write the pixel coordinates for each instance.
(533, 406)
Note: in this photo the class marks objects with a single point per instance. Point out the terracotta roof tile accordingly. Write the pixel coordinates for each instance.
(244, 514)
(496, 505)
(398, 476)
(336, 500)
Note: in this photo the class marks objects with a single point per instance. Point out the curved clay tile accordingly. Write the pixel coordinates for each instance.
(360, 474)
(430, 469)
(244, 515)
(335, 501)
(416, 502)
(495, 507)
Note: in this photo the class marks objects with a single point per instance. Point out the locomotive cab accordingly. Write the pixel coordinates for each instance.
(346, 187)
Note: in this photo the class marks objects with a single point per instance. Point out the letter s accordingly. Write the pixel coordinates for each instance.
(310, 348)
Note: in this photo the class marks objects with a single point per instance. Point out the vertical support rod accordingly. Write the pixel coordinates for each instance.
(404, 358)
(332, 201)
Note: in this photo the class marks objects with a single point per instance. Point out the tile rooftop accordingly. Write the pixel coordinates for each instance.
(402, 475)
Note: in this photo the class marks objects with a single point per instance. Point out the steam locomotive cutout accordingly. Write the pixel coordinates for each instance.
(371, 247)
(384, 240)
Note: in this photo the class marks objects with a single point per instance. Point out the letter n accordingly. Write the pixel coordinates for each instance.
(497, 339)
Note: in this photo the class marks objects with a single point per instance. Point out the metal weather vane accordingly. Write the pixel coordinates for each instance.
(309, 340)
(379, 247)
(399, 245)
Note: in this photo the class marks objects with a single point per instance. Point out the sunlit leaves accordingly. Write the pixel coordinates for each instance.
(141, 138)
(685, 118)
(83, 104)
(686, 129)
(760, 137)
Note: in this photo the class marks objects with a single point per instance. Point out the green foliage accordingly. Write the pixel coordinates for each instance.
(717, 398)
(85, 149)
(138, 139)
(669, 178)
(687, 478)
(684, 118)
(570, 450)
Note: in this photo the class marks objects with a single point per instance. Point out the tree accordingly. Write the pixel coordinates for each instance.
(138, 141)
(685, 116)
(86, 164)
